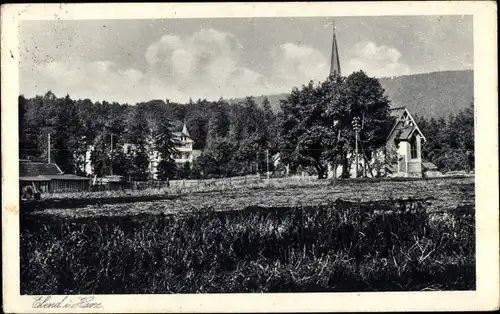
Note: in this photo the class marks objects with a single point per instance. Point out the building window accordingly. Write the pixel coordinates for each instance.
(413, 148)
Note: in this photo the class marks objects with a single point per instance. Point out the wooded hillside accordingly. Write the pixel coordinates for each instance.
(431, 95)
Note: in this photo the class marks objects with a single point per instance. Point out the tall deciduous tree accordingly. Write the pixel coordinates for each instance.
(311, 123)
(316, 127)
(366, 99)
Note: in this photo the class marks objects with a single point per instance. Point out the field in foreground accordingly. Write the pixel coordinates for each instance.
(444, 193)
(379, 243)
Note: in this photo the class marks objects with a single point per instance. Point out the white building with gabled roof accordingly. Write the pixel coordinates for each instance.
(403, 147)
(184, 150)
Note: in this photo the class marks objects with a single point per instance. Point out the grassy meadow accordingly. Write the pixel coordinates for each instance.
(345, 236)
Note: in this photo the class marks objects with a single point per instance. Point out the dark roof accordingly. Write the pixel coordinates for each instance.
(397, 112)
(36, 178)
(404, 132)
(33, 169)
(66, 177)
(179, 129)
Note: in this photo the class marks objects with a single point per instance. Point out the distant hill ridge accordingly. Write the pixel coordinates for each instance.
(435, 94)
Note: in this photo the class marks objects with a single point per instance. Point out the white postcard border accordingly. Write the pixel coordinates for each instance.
(486, 297)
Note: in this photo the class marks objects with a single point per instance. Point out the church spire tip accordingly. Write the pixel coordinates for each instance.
(335, 60)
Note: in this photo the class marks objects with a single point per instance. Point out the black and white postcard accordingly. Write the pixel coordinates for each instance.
(249, 157)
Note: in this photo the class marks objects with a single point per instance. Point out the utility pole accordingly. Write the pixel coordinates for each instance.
(48, 151)
(111, 157)
(257, 161)
(357, 156)
(356, 126)
(267, 162)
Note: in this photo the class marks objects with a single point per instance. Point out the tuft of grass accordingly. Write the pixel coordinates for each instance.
(337, 247)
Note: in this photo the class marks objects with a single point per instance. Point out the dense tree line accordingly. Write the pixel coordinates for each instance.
(234, 138)
(313, 129)
(449, 142)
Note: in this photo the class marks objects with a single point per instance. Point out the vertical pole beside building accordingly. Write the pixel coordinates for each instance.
(356, 126)
(357, 161)
(48, 151)
(257, 163)
(267, 162)
(111, 157)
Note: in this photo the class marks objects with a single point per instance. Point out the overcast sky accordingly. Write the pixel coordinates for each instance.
(138, 60)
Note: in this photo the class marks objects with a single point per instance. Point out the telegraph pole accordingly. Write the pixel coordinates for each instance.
(267, 162)
(48, 145)
(257, 162)
(111, 157)
(356, 126)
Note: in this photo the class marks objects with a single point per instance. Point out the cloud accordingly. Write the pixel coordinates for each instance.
(97, 80)
(378, 61)
(206, 64)
(295, 65)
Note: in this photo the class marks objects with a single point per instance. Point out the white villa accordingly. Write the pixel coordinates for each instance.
(185, 153)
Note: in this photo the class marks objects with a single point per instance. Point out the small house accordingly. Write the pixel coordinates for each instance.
(49, 178)
(401, 154)
(403, 145)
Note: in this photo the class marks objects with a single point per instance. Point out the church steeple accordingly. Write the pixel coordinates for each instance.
(335, 61)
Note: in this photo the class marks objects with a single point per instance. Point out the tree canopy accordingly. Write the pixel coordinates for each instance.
(316, 126)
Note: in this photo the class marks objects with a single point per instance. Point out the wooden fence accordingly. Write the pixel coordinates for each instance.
(230, 181)
(136, 185)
